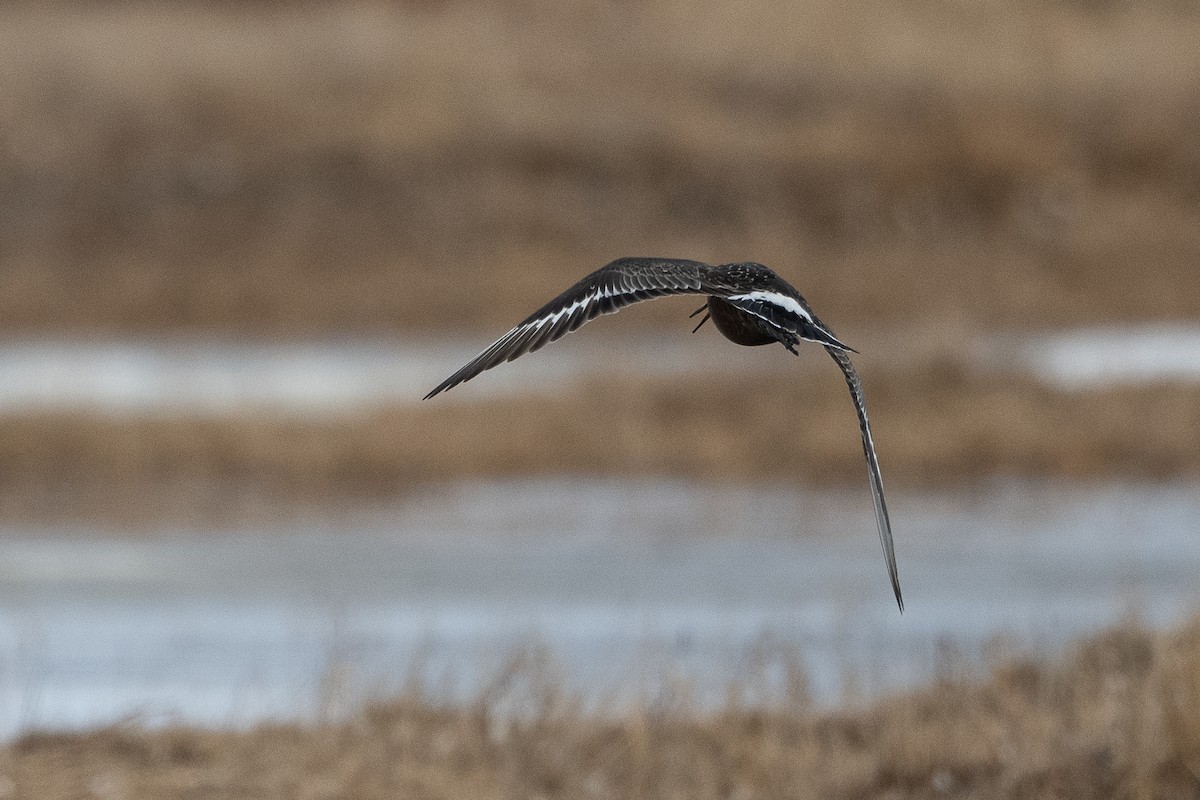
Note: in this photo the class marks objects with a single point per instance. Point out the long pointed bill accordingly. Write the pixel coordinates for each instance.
(876, 479)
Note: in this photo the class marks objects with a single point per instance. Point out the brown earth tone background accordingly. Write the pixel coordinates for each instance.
(936, 170)
(1118, 716)
(927, 173)
(289, 167)
(932, 429)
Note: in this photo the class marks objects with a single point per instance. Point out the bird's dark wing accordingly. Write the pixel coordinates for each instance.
(605, 291)
(789, 314)
(881, 513)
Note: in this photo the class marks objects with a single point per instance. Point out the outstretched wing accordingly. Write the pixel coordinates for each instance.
(606, 291)
(881, 513)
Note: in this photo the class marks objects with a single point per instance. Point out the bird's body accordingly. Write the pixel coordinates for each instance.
(748, 303)
(736, 325)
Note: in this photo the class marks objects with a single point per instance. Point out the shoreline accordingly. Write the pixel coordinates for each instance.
(1117, 713)
(935, 425)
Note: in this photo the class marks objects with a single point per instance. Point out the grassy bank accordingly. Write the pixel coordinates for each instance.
(1117, 716)
(287, 167)
(936, 423)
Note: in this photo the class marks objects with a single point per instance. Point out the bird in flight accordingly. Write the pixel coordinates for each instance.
(747, 302)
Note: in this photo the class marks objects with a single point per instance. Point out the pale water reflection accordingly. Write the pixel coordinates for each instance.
(218, 376)
(626, 584)
(1098, 357)
(221, 376)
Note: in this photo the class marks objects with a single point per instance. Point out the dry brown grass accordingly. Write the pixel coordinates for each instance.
(1118, 716)
(936, 424)
(284, 166)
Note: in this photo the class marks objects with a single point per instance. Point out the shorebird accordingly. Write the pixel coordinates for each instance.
(747, 302)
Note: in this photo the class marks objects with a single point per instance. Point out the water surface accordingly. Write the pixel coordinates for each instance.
(627, 585)
(218, 376)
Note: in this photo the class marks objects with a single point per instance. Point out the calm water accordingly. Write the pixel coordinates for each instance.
(219, 376)
(626, 585)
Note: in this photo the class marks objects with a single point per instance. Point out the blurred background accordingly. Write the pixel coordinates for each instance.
(239, 241)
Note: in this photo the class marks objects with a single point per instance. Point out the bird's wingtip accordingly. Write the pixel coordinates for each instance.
(839, 344)
(824, 336)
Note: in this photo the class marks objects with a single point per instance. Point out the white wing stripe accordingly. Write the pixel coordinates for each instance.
(562, 312)
(782, 300)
